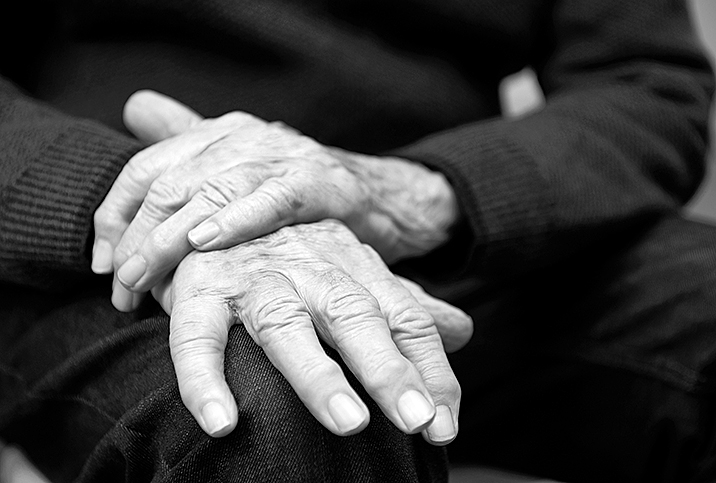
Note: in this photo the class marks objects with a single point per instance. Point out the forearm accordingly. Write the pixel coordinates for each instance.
(621, 139)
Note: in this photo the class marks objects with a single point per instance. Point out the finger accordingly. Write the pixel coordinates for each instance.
(162, 293)
(124, 300)
(279, 322)
(416, 336)
(15, 467)
(167, 195)
(198, 333)
(112, 218)
(160, 252)
(167, 244)
(272, 205)
(117, 210)
(153, 117)
(349, 317)
(131, 188)
(454, 325)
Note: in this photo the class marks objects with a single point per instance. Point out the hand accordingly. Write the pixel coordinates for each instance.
(287, 288)
(232, 179)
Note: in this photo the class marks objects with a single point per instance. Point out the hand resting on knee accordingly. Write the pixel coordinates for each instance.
(290, 281)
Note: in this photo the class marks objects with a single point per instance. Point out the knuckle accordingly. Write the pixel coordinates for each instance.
(272, 315)
(348, 303)
(384, 372)
(443, 384)
(281, 126)
(285, 201)
(278, 312)
(239, 118)
(196, 385)
(105, 219)
(193, 340)
(350, 296)
(454, 389)
(167, 196)
(270, 249)
(140, 167)
(187, 345)
(217, 192)
(159, 242)
(318, 371)
(412, 319)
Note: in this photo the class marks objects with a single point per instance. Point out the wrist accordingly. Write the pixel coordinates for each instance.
(426, 216)
(411, 207)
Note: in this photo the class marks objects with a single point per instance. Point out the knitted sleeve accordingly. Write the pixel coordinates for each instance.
(622, 137)
(54, 172)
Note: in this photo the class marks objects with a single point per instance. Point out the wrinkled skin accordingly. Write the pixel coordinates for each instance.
(292, 287)
(220, 182)
(281, 268)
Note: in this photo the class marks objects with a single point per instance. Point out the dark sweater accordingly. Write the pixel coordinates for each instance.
(622, 136)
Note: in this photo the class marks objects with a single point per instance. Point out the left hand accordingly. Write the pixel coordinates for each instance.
(291, 287)
(224, 181)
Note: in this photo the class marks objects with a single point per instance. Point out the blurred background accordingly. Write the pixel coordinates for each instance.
(521, 94)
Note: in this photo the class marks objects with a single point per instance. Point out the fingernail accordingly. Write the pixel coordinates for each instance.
(102, 257)
(442, 430)
(132, 270)
(415, 410)
(203, 234)
(216, 419)
(345, 412)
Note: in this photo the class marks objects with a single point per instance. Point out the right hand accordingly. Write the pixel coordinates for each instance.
(221, 182)
(288, 289)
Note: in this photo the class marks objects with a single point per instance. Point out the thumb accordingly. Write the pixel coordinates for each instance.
(153, 117)
(454, 325)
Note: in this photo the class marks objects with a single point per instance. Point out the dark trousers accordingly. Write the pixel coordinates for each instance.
(90, 395)
(602, 368)
(599, 369)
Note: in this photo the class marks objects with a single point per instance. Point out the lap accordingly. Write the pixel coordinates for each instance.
(599, 369)
(90, 391)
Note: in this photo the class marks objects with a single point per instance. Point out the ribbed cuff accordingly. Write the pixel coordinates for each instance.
(47, 218)
(501, 191)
